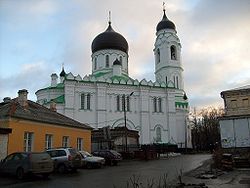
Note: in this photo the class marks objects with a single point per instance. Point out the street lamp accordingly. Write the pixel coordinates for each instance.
(125, 120)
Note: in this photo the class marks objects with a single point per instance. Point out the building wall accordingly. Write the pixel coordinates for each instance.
(3, 145)
(103, 111)
(237, 102)
(19, 127)
(235, 132)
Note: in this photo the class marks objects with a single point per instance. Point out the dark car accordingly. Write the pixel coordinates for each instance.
(24, 163)
(111, 157)
(65, 159)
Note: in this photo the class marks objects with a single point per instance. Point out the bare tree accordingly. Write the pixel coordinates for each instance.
(205, 128)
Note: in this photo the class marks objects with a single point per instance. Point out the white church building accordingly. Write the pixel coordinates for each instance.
(158, 109)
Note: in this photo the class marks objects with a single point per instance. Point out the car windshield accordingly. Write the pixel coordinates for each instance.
(72, 151)
(114, 152)
(86, 154)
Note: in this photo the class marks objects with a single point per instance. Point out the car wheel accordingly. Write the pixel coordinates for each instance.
(74, 170)
(45, 175)
(62, 168)
(20, 173)
(88, 166)
(115, 163)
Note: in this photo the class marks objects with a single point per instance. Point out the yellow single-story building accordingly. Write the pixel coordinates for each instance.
(37, 128)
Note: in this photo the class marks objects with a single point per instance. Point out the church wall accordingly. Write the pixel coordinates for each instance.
(141, 117)
(44, 96)
(113, 55)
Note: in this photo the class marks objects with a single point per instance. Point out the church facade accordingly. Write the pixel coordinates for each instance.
(110, 97)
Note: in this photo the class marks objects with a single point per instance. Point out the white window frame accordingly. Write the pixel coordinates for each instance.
(79, 142)
(65, 141)
(85, 101)
(28, 141)
(48, 141)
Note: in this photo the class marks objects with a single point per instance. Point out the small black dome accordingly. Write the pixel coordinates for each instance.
(109, 39)
(165, 23)
(117, 62)
(62, 74)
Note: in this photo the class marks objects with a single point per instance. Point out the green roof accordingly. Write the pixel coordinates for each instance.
(58, 86)
(181, 104)
(60, 99)
(99, 74)
(119, 78)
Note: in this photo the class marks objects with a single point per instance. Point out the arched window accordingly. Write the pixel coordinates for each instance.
(88, 101)
(118, 103)
(173, 52)
(85, 101)
(158, 134)
(95, 64)
(82, 101)
(159, 105)
(155, 104)
(107, 60)
(121, 59)
(158, 56)
(128, 104)
(177, 82)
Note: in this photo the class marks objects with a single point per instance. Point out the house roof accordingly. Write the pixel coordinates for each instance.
(242, 88)
(38, 113)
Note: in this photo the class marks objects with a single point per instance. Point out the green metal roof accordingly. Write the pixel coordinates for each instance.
(181, 104)
(60, 99)
(58, 86)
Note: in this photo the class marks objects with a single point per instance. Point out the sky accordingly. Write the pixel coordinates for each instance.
(38, 36)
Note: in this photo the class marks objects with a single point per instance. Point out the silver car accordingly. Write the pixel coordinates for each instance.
(65, 159)
(90, 161)
(24, 163)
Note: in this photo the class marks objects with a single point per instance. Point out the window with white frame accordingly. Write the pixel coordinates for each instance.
(121, 59)
(48, 141)
(157, 104)
(79, 144)
(120, 100)
(95, 64)
(118, 103)
(85, 101)
(28, 141)
(128, 103)
(107, 60)
(173, 52)
(65, 141)
(158, 56)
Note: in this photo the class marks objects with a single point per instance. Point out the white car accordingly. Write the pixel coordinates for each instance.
(90, 161)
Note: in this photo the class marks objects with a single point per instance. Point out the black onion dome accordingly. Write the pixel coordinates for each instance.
(109, 39)
(117, 62)
(62, 74)
(165, 23)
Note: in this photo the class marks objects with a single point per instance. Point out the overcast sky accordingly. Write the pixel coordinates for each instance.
(37, 36)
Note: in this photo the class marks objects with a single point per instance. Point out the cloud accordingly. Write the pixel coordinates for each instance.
(214, 37)
(31, 76)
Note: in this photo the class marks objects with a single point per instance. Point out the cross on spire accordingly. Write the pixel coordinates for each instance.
(163, 6)
(109, 17)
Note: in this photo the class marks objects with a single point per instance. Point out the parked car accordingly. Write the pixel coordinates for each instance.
(90, 161)
(65, 159)
(111, 157)
(24, 163)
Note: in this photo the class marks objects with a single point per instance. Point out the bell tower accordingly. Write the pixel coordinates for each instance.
(167, 52)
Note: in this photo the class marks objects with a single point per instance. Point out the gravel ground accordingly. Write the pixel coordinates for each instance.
(204, 177)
